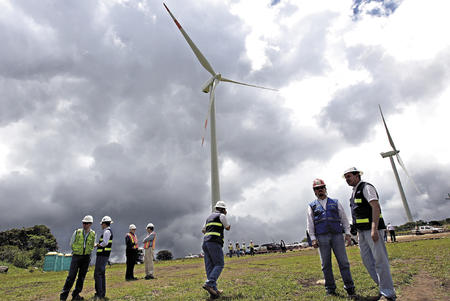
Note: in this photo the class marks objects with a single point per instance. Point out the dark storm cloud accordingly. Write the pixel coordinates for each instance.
(120, 85)
(354, 110)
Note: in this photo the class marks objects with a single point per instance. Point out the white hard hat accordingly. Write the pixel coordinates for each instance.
(150, 225)
(221, 204)
(106, 219)
(88, 219)
(352, 169)
(132, 227)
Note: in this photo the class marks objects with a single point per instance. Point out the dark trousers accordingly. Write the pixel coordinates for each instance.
(99, 275)
(392, 232)
(80, 266)
(131, 261)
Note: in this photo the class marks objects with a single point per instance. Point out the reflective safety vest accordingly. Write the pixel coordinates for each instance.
(252, 246)
(362, 211)
(105, 251)
(326, 221)
(134, 239)
(81, 246)
(214, 229)
(230, 247)
(147, 243)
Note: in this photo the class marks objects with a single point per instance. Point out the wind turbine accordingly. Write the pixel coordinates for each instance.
(390, 154)
(210, 87)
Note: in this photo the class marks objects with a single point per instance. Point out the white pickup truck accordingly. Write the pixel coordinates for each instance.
(427, 229)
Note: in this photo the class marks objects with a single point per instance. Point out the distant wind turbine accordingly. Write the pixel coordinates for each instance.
(209, 87)
(390, 154)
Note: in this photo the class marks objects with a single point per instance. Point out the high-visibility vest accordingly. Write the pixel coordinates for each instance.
(214, 228)
(134, 239)
(362, 211)
(230, 247)
(105, 251)
(147, 243)
(81, 246)
(326, 221)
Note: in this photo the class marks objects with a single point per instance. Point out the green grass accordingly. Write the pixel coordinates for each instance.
(290, 276)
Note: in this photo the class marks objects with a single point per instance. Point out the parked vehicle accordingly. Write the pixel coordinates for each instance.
(426, 230)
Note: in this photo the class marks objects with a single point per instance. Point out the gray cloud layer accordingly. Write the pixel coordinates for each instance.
(119, 84)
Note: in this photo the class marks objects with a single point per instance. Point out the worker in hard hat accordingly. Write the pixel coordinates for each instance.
(103, 251)
(326, 220)
(131, 252)
(238, 249)
(212, 247)
(368, 220)
(252, 248)
(82, 243)
(243, 248)
(230, 249)
(149, 249)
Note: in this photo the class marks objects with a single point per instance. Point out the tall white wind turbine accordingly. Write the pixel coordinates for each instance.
(209, 87)
(390, 154)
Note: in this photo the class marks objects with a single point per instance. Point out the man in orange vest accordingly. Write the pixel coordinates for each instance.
(131, 252)
(149, 248)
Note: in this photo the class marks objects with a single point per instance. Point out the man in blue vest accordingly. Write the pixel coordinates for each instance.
(212, 247)
(326, 221)
(103, 251)
(82, 244)
(367, 217)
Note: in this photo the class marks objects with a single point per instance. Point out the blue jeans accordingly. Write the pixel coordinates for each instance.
(375, 257)
(99, 275)
(80, 265)
(213, 262)
(335, 242)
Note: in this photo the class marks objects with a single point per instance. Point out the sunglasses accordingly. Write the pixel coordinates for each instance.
(321, 187)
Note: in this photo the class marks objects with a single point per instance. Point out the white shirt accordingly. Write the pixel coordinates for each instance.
(370, 193)
(310, 218)
(390, 228)
(106, 237)
(223, 220)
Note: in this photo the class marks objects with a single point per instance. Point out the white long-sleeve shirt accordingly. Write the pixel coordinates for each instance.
(106, 237)
(310, 218)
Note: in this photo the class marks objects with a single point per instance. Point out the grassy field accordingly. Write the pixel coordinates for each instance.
(420, 269)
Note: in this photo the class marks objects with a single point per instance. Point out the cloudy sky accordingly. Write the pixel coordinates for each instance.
(102, 112)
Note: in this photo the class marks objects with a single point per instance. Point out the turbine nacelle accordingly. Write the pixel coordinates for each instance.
(207, 85)
(389, 154)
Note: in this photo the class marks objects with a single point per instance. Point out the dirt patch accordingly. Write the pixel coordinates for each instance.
(424, 288)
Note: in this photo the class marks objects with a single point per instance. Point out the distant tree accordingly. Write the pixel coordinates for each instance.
(26, 246)
(164, 255)
(435, 223)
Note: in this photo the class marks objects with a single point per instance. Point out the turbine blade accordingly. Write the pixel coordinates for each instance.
(201, 58)
(244, 84)
(400, 162)
(211, 101)
(391, 142)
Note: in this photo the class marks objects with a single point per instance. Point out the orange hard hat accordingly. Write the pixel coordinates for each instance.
(318, 183)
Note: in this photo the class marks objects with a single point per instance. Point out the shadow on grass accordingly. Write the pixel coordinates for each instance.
(228, 297)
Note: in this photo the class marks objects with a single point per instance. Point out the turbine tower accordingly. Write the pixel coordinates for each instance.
(390, 154)
(210, 87)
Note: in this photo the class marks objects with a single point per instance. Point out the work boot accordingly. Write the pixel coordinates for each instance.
(351, 293)
(384, 298)
(331, 293)
(210, 290)
(77, 297)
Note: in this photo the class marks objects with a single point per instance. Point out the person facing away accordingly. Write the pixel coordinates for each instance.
(367, 217)
(104, 246)
(149, 249)
(212, 247)
(82, 244)
(131, 252)
(325, 221)
(391, 230)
